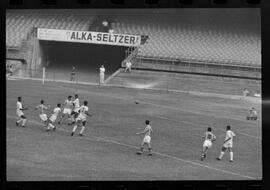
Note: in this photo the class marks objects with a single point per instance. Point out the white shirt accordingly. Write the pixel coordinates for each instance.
(102, 70)
(76, 103)
(148, 130)
(83, 110)
(56, 111)
(68, 104)
(41, 107)
(209, 136)
(19, 106)
(229, 134)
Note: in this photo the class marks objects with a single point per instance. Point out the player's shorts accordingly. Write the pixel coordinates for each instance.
(43, 117)
(81, 118)
(207, 143)
(20, 114)
(67, 111)
(147, 139)
(228, 144)
(53, 118)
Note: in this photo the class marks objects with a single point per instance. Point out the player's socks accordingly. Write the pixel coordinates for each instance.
(72, 133)
(82, 130)
(150, 153)
(231, 156)
(74, 128)
(221, 155)
(23, 122)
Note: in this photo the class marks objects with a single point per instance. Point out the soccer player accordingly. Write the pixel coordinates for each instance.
(42, 115)
(208, 137)
(228, 144)
(53, 117)
(76, 105)
(20, 113)
(67, 109)
(147, 139)
(128, 66)
(81, 119)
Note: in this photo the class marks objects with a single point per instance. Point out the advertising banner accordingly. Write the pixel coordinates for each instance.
(88, 37)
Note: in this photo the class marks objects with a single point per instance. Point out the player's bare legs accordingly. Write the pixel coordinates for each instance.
(204, 151)
(141, 148)
(222, 153)
(75, 127)
(231, 154)
(83, 128)
(49, 126)
(149, 149)
(23, 120)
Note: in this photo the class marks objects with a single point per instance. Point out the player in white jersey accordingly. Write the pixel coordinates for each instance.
(20, 113)
(75, 111)
(147, 138)
(53, 117)
(208, 137)
(81, 119)
(42, 114)
(68, 104)
(228, 144)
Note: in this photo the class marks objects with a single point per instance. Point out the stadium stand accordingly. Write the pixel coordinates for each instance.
(224, 36)
(19, 23)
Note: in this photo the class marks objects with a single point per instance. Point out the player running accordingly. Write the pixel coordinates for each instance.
(20, 113)
(75, 112)
(228, 144)
(81, 119)
(67, 109)
(208, 137)
(53, 117)
(42, 114)
(147, 139)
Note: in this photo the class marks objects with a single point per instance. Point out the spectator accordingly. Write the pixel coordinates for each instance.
(101, 74)
(257, 94)
(245, 92)
(128, 66)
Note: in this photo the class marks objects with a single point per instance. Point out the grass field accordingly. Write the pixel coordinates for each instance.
(108, 149)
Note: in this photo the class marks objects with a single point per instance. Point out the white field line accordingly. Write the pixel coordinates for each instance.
(190, 123)
(157, 153)
(110, 77)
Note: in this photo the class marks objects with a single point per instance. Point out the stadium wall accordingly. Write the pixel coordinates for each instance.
(215, 69)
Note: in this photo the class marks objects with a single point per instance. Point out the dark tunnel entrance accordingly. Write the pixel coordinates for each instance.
(60, 57)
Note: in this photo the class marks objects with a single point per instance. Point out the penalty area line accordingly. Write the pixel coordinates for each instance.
(157, 153)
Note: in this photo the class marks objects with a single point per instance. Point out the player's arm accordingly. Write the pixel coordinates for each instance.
(227, 139)
(144, 131)
(37, 107)
(87, 113)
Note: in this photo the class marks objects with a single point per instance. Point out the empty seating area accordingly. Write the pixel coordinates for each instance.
(217, 36)
(21, 22)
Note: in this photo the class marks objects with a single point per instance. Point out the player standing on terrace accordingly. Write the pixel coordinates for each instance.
(67, 109)
(147, 139)
(228, 144)
(42, 115)
(81, 119)
(20, 113)
(208, 137)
